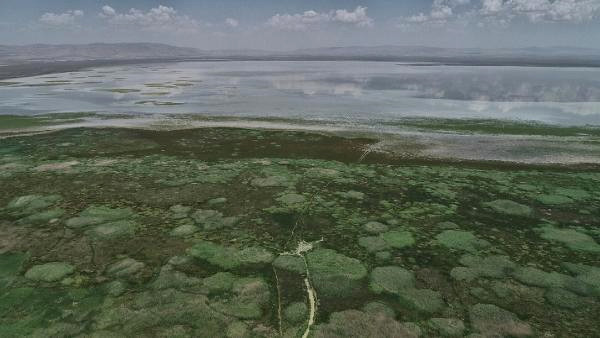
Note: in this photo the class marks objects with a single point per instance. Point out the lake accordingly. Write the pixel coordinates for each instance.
(361, 92)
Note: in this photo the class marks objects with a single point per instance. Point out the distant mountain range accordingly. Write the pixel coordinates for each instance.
(153, 51)
(95, 51)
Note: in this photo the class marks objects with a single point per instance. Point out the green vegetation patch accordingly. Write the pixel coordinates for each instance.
(98, 214)
(491, 320)
(510, 208)
(355, 323)
(251, 297)
(447, 327)
(296, 312)
(461, 241)
(493, 266)
(571, 238)
(49, 272)
(290, 263)
(334, 274)
(230, 258)
(421, 300)
(391, 279)
(398, 239)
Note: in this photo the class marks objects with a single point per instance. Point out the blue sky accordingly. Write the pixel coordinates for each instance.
(289, 24)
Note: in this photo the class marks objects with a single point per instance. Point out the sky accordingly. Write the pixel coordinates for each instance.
(294, 24)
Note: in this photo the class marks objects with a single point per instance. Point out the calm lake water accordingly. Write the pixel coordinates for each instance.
(332, 91)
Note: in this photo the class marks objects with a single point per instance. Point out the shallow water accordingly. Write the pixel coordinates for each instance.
(336, 91)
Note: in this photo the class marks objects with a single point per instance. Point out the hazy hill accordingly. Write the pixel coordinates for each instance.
(95, 51)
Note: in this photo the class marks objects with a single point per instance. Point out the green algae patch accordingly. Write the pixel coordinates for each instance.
(290, 263)
(184, 230)
(126, 267)
(398, 239)
(461, 241)
(493, 266)
(571, 238)
(25, 309)
(447, 327)
(43, 216)
(160, 309)
(112, 230)
(333, 274)
(220, 282)
(421, 300)
(491, 320)
(255, 256)
(223, 257)
(564, 299)
(169, 278)
(213, 219)
(373, 243)
(296, 312)
(230, 258)
(115, 288)
(251, 296)
(271, 181)
(179, 211)
(536, 277)
(375, 227)
(11, 263)
(49, 272)
(352, 195)
(355, 323)
(292, 199)
(554, 199)
(379, 308)
(29, 204)
(391, 279)
(237, 329)
(10, 267)
(98, 214)
(510, 208)
(587, 275)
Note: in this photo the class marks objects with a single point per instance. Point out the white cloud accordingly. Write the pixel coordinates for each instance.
(62, 19)
(297, 21)
(232, 22)
(357, 17)
(441, 12)
(492, 7)
(107, 11)
(558, 10)
(502, 12)
(160, 19)
(309, 19)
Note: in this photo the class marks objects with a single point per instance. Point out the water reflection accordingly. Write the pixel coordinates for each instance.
(316, 90)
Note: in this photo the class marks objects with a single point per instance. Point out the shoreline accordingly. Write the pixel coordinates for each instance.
(13, 69)
(410, 147)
